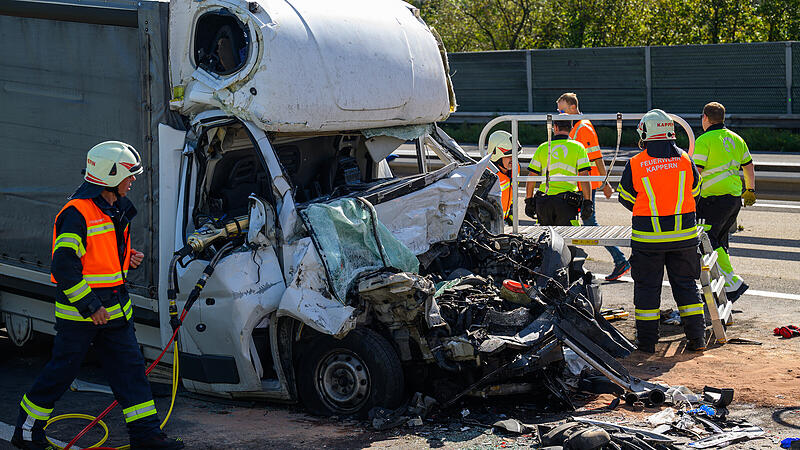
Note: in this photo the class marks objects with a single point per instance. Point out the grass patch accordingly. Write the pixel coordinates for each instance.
(530, 136)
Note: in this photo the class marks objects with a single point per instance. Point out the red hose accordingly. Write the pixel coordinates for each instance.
(115, 403)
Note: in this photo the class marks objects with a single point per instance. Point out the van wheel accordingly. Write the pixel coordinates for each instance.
(349, 376)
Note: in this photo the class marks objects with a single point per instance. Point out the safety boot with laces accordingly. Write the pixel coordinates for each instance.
(158, 441)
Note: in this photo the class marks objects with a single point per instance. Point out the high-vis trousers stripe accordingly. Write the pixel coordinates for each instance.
(690, 310)
(647, 314)
(139, 411)
(33, 410)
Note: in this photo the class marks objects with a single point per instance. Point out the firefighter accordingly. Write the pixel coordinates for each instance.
(719, 153)
(660, 185)
(91, 255)
(559, 202)
(583, 131)
(500, 149)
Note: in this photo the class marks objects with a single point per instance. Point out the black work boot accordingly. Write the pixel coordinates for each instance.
(157, 441)
(646, 347)
(18, 442)
(696, 344)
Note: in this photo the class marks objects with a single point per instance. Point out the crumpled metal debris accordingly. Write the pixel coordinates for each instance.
(728, 437)
(681, 394)
(665, 416)
(514, 426)
(411, 414)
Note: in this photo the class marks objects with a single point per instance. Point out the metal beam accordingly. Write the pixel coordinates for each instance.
(529, 69)
(121, 15)
(788, 78)
(648, 79)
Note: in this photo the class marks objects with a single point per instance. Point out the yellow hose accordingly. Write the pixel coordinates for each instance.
(105, 427)
(77, 416)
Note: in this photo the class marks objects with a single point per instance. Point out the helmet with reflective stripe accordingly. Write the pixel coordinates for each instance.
(109, 163)
(656, 125)
(500, 145)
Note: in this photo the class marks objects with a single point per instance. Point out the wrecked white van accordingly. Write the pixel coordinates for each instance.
(266, 127)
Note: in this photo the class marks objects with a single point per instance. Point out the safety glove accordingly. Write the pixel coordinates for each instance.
(749, 197)
(530, 207)
(587, 209)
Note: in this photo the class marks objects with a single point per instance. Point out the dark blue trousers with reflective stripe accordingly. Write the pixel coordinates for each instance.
(647, 271)
(122, 364)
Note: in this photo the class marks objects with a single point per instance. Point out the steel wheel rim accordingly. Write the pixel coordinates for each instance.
(342, 381)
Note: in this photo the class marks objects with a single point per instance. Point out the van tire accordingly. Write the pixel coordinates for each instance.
(349, 376)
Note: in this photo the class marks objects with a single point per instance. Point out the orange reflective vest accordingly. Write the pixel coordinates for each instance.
(664, 196)
(99, 254)
(584, 132)
(507, 197)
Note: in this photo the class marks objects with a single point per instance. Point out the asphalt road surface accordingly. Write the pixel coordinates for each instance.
(766, 251)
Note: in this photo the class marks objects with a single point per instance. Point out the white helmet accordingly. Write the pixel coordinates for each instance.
(656, 125)
(109, 163)
(500, 145)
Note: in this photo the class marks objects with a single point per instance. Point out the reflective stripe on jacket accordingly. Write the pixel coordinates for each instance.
(664, 206)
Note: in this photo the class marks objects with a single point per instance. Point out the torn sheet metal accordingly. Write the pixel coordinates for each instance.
(434, 213)
(307, 297)
(728, 437)
(251, 289)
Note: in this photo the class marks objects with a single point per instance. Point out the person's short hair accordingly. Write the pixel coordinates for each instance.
(715, 112)
(563, 125)
(569, 98)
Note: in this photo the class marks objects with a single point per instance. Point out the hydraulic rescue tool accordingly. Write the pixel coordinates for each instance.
(211, 232)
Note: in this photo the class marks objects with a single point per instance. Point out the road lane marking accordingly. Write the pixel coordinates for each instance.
(753, 292)
(7, 432)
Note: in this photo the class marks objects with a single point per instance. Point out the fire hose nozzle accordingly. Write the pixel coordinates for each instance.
(209, 233)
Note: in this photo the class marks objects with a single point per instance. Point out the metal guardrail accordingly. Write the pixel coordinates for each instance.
(789, 121)
(548, 118)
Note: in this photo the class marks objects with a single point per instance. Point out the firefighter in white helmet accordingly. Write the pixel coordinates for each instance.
(660, 186)
(91, 256)
(500, 148)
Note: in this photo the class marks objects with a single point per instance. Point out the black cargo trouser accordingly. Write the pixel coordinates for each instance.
(719, 211)
(123, 366)
(647, 270)
(554, 210)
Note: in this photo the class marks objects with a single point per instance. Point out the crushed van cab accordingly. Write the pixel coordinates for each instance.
(336, 282)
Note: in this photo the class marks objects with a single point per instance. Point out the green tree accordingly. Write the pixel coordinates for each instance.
(781, 19)
(468, 25)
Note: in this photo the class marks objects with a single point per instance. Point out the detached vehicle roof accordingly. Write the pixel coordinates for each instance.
(308, 65)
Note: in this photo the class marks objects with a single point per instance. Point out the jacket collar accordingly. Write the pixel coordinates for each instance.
(716, 126)
(663, 149)
(121, 209)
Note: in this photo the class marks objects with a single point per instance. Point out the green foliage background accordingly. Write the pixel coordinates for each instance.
(473, 25)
